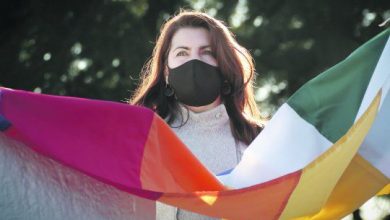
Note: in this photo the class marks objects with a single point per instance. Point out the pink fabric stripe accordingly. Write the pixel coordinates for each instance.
(74, 131)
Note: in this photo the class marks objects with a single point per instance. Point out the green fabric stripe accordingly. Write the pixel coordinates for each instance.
(331, 100)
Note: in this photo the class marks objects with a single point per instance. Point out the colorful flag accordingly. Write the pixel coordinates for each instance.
(323, 154)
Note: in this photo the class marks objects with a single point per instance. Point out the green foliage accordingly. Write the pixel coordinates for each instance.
(96, 49)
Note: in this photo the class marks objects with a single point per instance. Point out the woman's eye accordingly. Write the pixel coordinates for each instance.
(181, 53)
(209, 52)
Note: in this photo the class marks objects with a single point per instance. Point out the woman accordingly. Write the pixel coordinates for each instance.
(200, 80)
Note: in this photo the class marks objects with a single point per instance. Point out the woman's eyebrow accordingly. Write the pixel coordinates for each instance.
(181, 47)
(205, 46)
(187, 48)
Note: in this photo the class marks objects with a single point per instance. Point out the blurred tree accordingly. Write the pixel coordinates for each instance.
(78, 48)
(97, 48)
(294, 41)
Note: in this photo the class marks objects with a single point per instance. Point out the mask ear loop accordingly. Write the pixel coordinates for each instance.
(168, 90)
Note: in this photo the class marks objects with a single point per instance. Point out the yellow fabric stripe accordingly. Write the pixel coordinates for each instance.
(360, 182)
(384, 191)
(320, 177)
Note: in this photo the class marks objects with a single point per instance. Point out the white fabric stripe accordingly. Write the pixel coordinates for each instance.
(287, 144)
(380, 76)
(376, 145)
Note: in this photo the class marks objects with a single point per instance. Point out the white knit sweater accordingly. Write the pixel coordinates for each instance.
(209, 137)
(33, 186)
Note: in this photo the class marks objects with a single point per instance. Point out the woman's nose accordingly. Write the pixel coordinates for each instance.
(195, 55)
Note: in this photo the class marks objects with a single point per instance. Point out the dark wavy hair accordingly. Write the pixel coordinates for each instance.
(235, 63)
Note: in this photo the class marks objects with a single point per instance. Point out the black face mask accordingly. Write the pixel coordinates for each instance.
(195, 83)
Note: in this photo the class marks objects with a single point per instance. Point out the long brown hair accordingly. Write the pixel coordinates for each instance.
(235, 63)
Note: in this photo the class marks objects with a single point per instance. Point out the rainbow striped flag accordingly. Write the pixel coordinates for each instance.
(323, 154)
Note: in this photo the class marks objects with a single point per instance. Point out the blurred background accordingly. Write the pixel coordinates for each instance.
(96, 49)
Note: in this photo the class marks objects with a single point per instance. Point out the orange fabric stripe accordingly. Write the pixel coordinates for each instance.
(168, 166)
(262, 201)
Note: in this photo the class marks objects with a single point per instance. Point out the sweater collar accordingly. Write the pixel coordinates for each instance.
(210, 118)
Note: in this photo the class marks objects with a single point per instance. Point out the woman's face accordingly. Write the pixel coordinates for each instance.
(190, 43)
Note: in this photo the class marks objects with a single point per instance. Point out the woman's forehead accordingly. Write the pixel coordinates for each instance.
(190, 37)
